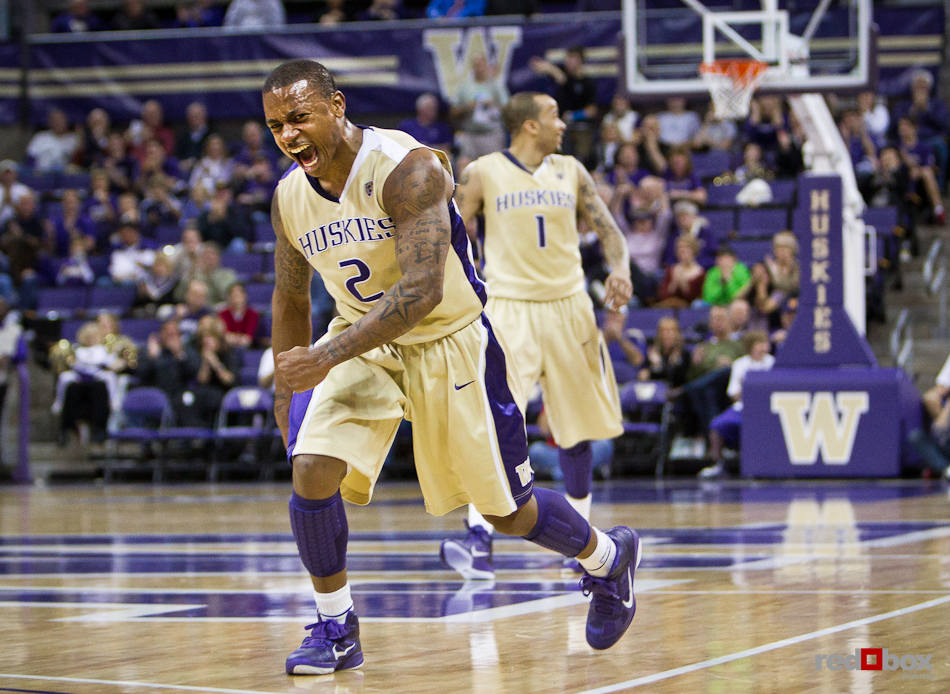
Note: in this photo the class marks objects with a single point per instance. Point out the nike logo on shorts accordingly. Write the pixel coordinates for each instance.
(459, 387)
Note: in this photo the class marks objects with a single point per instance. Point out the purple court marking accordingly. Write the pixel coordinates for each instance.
(31, 691)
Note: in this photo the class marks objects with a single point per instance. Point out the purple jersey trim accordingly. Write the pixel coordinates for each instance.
(462, 247)
(509, 422)
(514, 161)
(289, 170)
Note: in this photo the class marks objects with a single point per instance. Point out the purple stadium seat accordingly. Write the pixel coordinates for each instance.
(757, 222)
(751, 251)
(167, 234)
(254, 406)
(69, 328)
(710, 164)
(645, 319)
(690, 319)
(99, 264)
(259, 295)
(138, 329)
(721, 221)
(722, 196)
(62, 302)
(883, 219)
(246, 265)
(112, 299)
(783, 191)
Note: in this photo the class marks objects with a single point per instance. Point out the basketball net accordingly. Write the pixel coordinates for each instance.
(731, 83)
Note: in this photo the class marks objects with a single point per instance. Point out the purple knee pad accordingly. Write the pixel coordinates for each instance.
(321, 532)
(559, 526)
(577, 465)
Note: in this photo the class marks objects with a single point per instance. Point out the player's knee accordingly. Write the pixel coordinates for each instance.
(519, 523)
(318, 476)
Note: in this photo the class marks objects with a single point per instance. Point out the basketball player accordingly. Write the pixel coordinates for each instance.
(371, 211)
(531, 199)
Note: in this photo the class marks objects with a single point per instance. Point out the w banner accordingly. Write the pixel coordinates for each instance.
(825, 410)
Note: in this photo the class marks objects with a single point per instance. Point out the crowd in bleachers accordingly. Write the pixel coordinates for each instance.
(167, 225)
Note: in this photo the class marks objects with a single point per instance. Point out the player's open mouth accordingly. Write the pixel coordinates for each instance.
(306, 155)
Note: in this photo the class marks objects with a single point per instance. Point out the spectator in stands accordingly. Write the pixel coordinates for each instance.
(95, 138)
(11, 189)
(919, 159)
(766, 119)
(100, 205)
(576, 96)
(725, 428)
(121, 168)
(739, 315)
(156, 291)
(130, 260)
(623, 116)
(53, 150)
(188, 250)
(254, 14)
(24, 239)
(217, 366)
(930, 117)
(193, 309)
(198, 13)
(476, 109)
(189, 146)
(225, 223)
(335, 13)
(861, 146)
(678, 125)
(632, 345)
(651, 153)
(128, 209)
(890, 186)
(681, 182)
(159, 207)
(155, 162)
(214, 168)
(240, 320)
(873, 110)
(426, 126)
(381, 10)
(208, 272)
(645, 244)
(167, 364)
(715, 133)
(10, 332)
(782, 264)
(134, 16)
(71, 225)
(147, 128)
(753, 165)
(626, 171)
(75, 271)
(788, 158)
(607, 146)
(265, 370)
(728, 279)
(76, 20)
(455, 8)
(787, 314)
(687, 222)
(682, 283)
(667, 358)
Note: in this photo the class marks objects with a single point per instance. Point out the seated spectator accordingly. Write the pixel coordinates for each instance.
(52, 150)
(381, 10)
(687, 222)
(148, 128)
(645, 244)
(861, 146)
(193, 309)
(155, 162)
(667, 358)
(890, 183)
(576, 96)
(626, 170)
(631, 343)
(134, 16)
(25, 239)
(725, 428)
(607, 146)
(214, 168)
(156, 291)
(335, 13)
(11, 189)
(188, 250)
(167, 365)
(455, 8)
(782, 264)
(101, 206)
(240, 320)
(198, 13)
(76, 272)
(71, 225)
(121, 168)
(648, 144)
(739, 314)
(623, 116)
(678, 126)
(208, 270)
(76, 20)
(681, 182)
(217, 367)
(131, 258)
(715, 133)
(129, 210)
(753, 166)
(159, 207)
(728, 279)
(426, 127)
(10, 332)
(256, 169)
(476, 111)
(930, 118)
(254, 14)
(787, 314)
(189, 146)
(788, 158)
(225, 223)
(873, 110)
(766, 119)
(919, 159)
(95, 138)
(682, 283)
(265, 370)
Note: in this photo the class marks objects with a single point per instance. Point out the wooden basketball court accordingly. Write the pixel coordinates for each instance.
(744, 587)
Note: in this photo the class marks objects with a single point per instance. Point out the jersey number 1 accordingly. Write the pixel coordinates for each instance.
(362, 275)
(542, 240)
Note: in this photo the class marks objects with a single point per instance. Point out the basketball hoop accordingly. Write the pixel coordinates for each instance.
(731, 83)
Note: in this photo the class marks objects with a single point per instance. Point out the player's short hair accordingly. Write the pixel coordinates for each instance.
(301, 69)
(520, 107)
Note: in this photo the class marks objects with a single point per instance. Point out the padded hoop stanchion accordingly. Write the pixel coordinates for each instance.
(731, 83)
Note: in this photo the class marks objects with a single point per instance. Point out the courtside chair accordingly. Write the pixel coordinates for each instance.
(252, 407)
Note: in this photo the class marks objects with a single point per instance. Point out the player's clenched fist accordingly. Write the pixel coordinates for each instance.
(302, 368)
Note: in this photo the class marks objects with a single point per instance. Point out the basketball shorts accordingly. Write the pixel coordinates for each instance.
(558, 344)
(468, 433)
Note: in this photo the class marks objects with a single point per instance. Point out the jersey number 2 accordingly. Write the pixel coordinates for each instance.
(362, 275)
(542, 240)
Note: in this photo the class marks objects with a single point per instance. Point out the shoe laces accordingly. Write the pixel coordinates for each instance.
(324, 632)
(477, 533)
(604, 588)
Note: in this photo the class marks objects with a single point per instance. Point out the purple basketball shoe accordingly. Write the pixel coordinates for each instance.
(331, 646)
(612, 604)
(471, 557)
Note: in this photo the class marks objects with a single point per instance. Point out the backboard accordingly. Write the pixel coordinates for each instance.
(809, 45)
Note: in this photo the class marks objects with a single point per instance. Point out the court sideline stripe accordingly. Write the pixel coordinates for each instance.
(127, 683)
(712, 662)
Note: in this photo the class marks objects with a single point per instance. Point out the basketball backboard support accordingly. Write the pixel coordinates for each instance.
(809, 45)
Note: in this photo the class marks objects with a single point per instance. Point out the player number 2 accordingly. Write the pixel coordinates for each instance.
(362, 275)
(542, 241)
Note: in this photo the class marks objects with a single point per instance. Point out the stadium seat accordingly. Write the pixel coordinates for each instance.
(259, 295)
(645, 319)
(646, 417)
(250, 361)
(247, 265)
(252, 406)
(138, 329)
(722, 196)
(710, 164)
(59, 302)
(755, 222)
(751, 251)
(117, 300)
(783, 191)
(721, 221)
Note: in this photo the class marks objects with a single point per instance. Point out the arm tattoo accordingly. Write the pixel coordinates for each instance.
(292, 272)
(415, 195)
(593, 210)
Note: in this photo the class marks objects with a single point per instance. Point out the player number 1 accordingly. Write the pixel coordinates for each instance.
(542, 241)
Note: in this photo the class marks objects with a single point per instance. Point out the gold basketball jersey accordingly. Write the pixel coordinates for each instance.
(350, 241)
(531, 244)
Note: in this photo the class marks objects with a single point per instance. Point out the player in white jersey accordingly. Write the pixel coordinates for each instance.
(371, 211)
(531, 199)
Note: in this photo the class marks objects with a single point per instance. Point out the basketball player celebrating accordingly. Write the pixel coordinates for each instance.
(371, 211)
(531, 199)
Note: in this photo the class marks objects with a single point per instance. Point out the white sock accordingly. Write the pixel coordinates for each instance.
(475, 518)
(334, 605)
(582, 506)
(601, 561)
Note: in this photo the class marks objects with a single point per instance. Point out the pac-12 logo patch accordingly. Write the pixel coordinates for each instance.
(368, 187)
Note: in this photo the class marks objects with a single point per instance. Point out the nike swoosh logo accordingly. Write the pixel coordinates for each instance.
(480, 553)
(340, 654)
(628, 603)
(459, 387)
